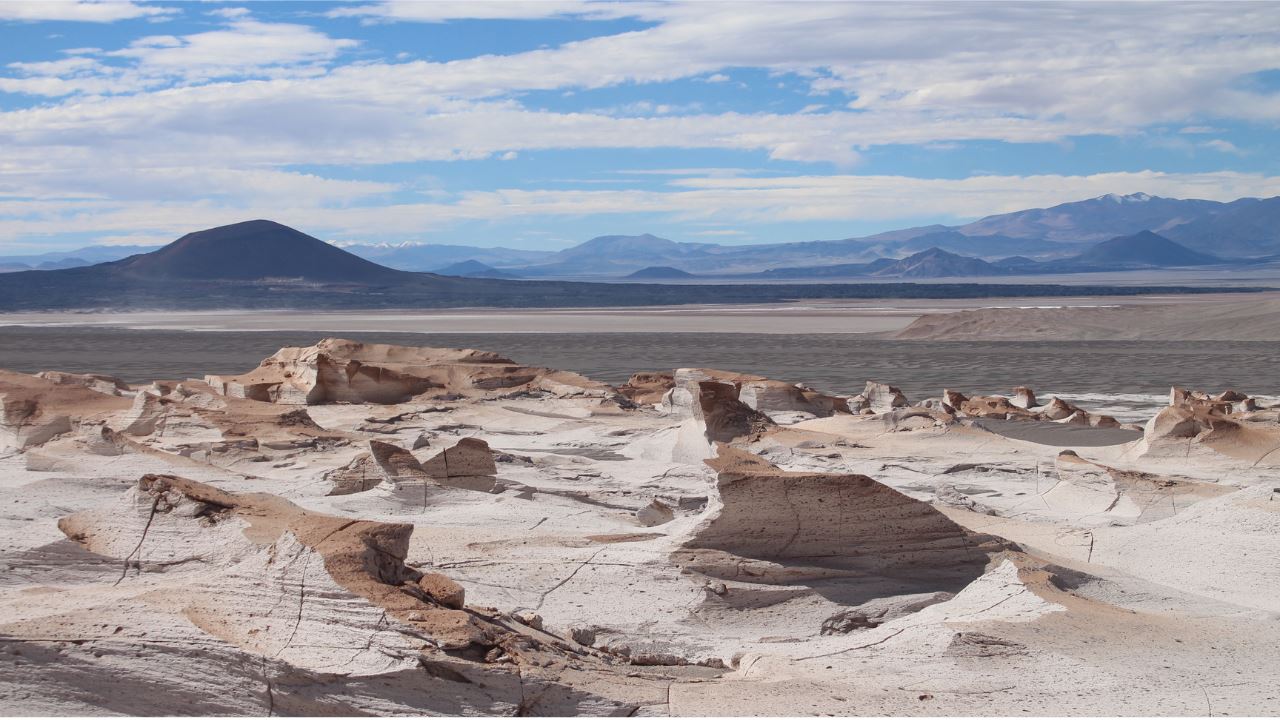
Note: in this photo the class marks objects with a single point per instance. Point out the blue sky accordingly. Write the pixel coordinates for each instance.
(542, 124)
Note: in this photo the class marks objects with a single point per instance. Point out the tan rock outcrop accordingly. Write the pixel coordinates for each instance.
(775, 525)
(35, 410)
(105, 384)
(468, 464)
(1024, 397)
(883, 398)
(335, 370)
(647, 388)
(725, 418)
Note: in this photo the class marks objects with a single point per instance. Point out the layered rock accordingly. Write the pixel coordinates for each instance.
(647, 388)
(307, 594)
(335, 370)
(35, 410)
(468, 465)
(1098, 494)
(764, 524)
(771, 397)
(1194, 420)
(881, 398)
(1024, 406)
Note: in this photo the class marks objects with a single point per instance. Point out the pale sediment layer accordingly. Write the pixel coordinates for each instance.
(1257, 320)
(354, 529)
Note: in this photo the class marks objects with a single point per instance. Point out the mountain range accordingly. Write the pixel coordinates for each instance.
(262, 264)
(1245, 229)
(1242, 229)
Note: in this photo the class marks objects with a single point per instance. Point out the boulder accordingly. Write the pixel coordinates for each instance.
(647, 388)
(470, 458)
(443, 590)
(883, 398)
(1058, 409)
(1024, 397)
(953, 398)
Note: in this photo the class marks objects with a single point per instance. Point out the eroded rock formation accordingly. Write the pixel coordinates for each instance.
(335, 370)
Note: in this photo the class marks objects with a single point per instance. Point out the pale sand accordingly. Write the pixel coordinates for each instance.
(1256, 317)
(843, 316)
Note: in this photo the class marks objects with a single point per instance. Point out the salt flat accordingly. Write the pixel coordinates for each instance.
(860, 316)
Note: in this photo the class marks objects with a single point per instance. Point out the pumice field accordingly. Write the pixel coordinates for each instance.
(374, 529)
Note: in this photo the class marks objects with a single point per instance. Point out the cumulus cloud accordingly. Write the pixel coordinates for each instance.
(249, 100)
(445, 10)
(727, 200)
(79, 10)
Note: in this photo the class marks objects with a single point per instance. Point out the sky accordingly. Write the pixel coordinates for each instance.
(539, 125)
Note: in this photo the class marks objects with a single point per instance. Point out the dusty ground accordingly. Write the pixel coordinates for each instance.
(326, 534)
(816, 316)
(1235, 319)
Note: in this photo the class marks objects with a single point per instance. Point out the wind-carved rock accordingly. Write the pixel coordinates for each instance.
(763, 524)
(335, 370)
(1195, 421)
(757, 393)
(882, 398)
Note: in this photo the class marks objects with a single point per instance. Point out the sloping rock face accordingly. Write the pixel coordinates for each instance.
(468, 465)
(345, 371)
(724, 417)
(1194, 420)
(312, 606)
(469, 458)
(1099, 494)
(771, 525)
(104, 384)
(35, 410)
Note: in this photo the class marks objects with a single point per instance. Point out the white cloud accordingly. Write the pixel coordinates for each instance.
(79, 10)
(245, 46)
(229, 12)
(248, 100)
(729, 200)
(445, 10)
(1224, 146)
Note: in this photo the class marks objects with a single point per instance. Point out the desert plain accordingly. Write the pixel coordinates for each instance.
(354, 528)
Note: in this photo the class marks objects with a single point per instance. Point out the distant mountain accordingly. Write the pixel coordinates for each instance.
(1247, 228)
(475, 269)
(983, 246)
(931, 263)
(1244, 228)
(1140, 250)
(8, 267)
(426, 257)
(660, 272)
(936, 263)
(252, 250)
(262, 264)
(89, 255)
(63, 264)
(616, 255)
(1095, 219)
(1143, 249)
